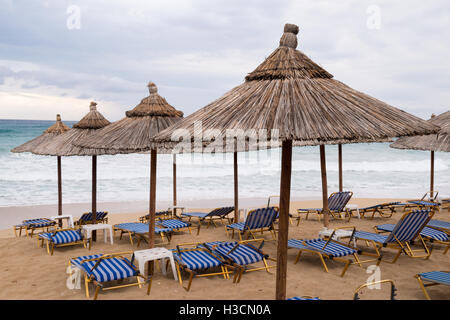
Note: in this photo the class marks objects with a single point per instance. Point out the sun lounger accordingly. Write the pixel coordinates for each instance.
(327, 249)
(406, 230)
(103, 269)
(216, 214)
(196, 259)
(174, 224)
(166, 213)
(34, 224)
(239, 255)
(385, 210)
(257, 220)
(88, 218)
(440, 225)
(336, 204)
(140, 230)
(427, 233)
(62, 238)
(432, 278)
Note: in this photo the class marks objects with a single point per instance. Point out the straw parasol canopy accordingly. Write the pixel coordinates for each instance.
(48, 135)
(290, 93)
(432, 142)
(62, 145)
(133, 134)
(51, 132)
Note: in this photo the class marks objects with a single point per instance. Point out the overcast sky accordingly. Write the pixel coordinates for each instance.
(52, 62)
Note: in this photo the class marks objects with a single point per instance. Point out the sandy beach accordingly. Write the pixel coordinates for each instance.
(28, 272)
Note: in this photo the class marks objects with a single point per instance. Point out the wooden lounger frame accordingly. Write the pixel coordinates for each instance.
(393, 288)
(51, 246)
(423, 285)
(99, 285)
(240, 270)
(324, 256)
(401, 246)
(224, 268)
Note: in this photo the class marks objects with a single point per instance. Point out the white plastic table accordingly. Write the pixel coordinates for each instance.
(175, 208)
(353, 207)
(338, 235)
(69, 218)
(88, 228)
(143, 256)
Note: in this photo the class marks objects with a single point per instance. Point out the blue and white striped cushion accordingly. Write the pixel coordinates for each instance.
(242, 255)
(424, 203)
(174, 224)
(439, 224)
(370, 236)
(239, 226)
(38, 223)
(195, 214)
(338, 200)
(138, 227)
(196, 260)
(332, 249)
(303, 298)
(437, 277)
(407, 228)
(426, 232)
(109, 269)
(77, 261)
(62, 237)
(261, 218)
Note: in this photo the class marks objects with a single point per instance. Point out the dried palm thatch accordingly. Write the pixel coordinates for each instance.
(49, 134)
(290, 93)
(134, 132)
(62, 144)
(431, 142)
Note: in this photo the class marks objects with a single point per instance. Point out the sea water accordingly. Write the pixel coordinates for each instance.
(370, 170)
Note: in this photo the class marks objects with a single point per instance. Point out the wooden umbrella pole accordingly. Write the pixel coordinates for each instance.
(94, 195)
(340, 167)
(59, 189)
(285, 193)
(236, 188)
(152, 208)
(432, 175)
(323, 169)
(174, 169)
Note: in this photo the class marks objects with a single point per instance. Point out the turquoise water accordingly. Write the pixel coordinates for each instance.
(370, 170)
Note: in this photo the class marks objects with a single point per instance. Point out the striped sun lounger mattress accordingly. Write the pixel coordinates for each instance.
(332, 249)
(426, 232)
(242, 255)
(141, 228)
(109, 269)
(37, 223)
(439, 224)
(196, 259)
(441, 277)
(62, 237)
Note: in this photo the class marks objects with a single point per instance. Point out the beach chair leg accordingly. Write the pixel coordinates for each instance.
(298, 256)
(199, 226)
(422, 286)
(266, 266)
(131, 238)
(323, 262)
(86, 285)
(97, 289)
(357, 260)
(346, 267)
(298, 219)
(179, 274)
(191, 276)
(139, 282)
(53, 248)
(242, 270)
(48, 247)
(225, 272)
(446, 249)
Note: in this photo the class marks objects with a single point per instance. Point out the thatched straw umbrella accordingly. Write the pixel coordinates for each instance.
(432, 142)
(291, 94)
(133, 134)
(62, 145)
(53, 131)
